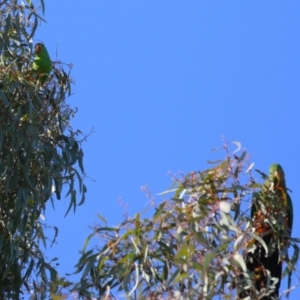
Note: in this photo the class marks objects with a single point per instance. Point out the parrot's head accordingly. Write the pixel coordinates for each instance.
(39, 48)
(277, 175)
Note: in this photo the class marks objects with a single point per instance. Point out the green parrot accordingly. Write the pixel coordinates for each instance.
(41, 63)
(272, 216)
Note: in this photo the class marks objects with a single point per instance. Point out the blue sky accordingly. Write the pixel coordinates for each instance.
(160, 83)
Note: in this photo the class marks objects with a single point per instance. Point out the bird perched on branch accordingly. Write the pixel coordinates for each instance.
(41, 63)
(272, 216)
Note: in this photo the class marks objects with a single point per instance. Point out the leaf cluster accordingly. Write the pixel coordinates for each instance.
(192, 247)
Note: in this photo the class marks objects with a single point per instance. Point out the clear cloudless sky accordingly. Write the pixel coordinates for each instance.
(160, 83)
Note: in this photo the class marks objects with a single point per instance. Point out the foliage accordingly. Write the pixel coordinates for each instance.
(192, 247)
(40, 153)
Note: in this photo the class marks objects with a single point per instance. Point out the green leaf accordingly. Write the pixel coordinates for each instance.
(260, 240)
(80, 160)
(55, 235)
(3, 97)
(87, 241)
(173, 277)
(207, 260)
(101, 218)
(72, 202)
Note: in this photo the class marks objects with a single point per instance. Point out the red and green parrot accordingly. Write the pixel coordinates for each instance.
(41, 63)
(272, 217)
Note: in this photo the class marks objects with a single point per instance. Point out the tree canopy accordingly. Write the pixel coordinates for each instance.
(40, 153)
